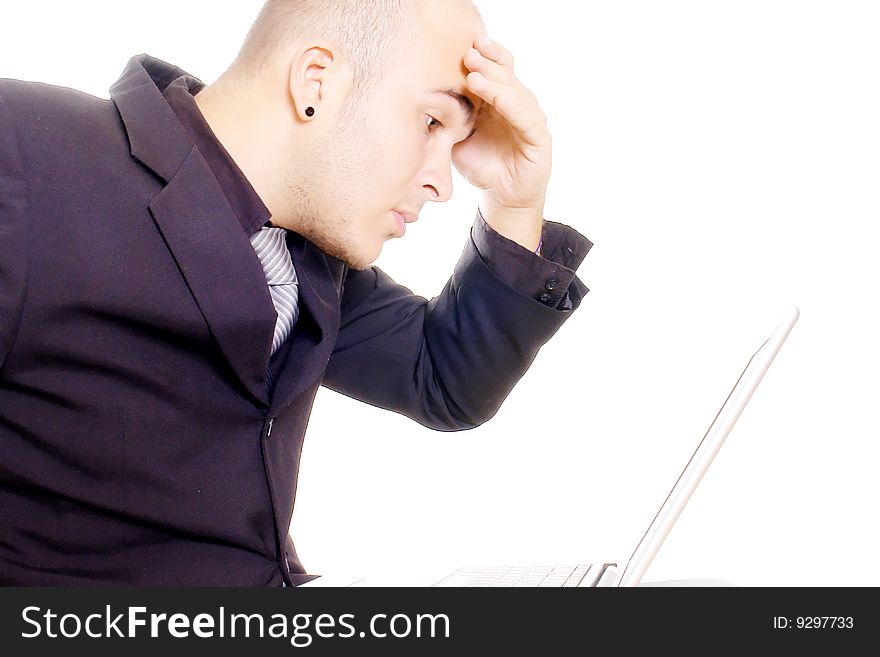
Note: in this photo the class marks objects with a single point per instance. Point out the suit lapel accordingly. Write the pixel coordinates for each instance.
(221, 269)
(200, 228)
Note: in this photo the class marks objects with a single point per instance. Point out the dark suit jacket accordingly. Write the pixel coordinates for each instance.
(138, 443)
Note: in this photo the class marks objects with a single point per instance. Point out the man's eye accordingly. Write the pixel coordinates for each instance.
(432, 123)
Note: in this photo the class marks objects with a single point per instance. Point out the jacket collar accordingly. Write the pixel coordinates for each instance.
(157, 139)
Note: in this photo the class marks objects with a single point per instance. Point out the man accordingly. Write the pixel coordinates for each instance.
(182, 266)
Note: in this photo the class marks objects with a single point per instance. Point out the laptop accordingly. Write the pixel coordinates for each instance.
(629, 572)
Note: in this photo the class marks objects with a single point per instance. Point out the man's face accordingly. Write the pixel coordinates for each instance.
(359, 185)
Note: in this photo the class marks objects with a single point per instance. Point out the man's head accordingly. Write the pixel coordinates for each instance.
(386, 81)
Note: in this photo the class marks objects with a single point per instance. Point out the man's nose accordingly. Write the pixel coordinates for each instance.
(437, 178)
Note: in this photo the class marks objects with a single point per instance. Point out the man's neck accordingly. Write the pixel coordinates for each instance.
(235, 118)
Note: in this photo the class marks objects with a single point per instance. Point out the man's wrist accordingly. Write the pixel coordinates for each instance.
(521, 225)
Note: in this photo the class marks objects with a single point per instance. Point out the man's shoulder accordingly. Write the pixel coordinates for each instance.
(44, 117)
(41, 106)
(33, 95)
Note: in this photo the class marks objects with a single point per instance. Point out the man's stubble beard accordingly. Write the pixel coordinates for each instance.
(318, 180)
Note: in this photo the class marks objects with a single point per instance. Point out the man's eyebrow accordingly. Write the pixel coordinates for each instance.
(466, 105)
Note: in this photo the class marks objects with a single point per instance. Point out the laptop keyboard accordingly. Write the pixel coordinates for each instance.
(562, 576)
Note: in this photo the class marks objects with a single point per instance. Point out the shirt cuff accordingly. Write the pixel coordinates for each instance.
(546, 277)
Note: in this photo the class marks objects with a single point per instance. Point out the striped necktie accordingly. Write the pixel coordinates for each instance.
(271, 248)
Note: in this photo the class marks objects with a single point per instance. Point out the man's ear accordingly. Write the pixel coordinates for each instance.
(317, 78)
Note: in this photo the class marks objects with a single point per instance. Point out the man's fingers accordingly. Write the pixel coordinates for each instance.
(492, 79)
(516, 104)
(491, 69)
(494, 51)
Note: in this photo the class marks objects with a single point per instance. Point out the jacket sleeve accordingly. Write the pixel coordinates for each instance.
(450, 362)
(13, 199)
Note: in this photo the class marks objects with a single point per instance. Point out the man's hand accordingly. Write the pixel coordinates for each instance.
(509, 157)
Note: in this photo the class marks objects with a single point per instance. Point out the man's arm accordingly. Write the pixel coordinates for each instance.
(450, 362)
(13, 198)
(545, 276)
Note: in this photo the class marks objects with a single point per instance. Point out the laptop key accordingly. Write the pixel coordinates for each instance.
(592, 576)
(609, 574)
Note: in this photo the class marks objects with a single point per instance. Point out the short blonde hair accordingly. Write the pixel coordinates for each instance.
(370, 34)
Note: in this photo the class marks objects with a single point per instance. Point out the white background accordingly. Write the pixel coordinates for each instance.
(724, 157)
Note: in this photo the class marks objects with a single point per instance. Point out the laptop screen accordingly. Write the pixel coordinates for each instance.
(704, 454)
